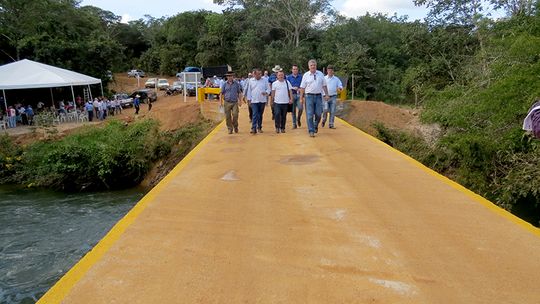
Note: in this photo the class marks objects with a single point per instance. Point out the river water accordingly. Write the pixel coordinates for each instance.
(43, 234)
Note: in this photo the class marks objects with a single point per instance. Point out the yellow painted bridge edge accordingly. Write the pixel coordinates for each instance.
(59, 291)
(477, 198)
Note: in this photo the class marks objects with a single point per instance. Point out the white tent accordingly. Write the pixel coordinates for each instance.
(28, 74)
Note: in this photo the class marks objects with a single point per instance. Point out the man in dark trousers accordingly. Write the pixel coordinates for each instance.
(137, 104)
(231, 99)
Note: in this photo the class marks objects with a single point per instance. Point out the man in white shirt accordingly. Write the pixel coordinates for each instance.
(257, 92)
(244, 89)
(334, 87)
(312, 88)
(281, 98)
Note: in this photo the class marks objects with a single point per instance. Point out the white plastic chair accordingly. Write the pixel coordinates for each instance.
(82, 117)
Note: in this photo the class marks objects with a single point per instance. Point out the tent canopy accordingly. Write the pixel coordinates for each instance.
(28, 74)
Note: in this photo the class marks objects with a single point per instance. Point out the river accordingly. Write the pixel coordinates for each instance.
(43, 234)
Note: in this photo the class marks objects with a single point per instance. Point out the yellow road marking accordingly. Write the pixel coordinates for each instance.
(61, 289)
(477, 198)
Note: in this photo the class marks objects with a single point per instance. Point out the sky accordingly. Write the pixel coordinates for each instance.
(135, 9)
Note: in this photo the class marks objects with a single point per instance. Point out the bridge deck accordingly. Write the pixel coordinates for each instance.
(285, 218)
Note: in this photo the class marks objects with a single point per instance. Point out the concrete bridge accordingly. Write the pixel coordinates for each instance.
(285, 218)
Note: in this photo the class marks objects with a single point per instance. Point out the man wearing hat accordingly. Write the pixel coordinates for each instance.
(231, 98)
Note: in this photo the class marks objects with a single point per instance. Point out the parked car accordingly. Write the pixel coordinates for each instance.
(150, 83)
(175, 89)
(145, 95)
(125, 100)
(135, 73)
(163, 84)
(176, 86)
(190, 89)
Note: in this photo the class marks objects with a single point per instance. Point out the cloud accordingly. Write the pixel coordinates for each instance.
(355, 8)
(126, 18)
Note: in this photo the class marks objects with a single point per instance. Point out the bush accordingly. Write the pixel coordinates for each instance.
(115, 156)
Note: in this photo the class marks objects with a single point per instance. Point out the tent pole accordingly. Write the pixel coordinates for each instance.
(101, 84)
(90, 92)
(5, 100)
(52, 99)
(72, 94)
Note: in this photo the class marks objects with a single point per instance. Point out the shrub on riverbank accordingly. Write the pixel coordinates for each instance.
(114, 156)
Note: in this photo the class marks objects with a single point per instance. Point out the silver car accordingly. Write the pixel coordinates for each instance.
(125, 100)
(135, 73)
(150, 83)
(163, 84)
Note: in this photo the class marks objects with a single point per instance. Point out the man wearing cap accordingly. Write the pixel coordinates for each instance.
(257, 91)
(312, 88)
(295, 79)
(334, 87)
(231, 98)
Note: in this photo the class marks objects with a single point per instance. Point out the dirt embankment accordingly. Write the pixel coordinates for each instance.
(364, 114)
(173, 114)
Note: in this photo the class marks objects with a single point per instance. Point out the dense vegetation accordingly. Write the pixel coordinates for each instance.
(112, 157)
(473, 75)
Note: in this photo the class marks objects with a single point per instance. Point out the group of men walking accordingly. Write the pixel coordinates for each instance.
(313, 90)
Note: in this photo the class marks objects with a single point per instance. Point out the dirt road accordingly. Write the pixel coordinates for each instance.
(285, 218)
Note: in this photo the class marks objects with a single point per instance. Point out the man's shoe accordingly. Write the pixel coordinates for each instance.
(294, 127)
(323, 123)
(236, 130)
(253, 131)
(299, 123)
(316, 130)
(277, 130)
(260, 130)
(311, 134)
(230, 131)
(332, 127)
(282, 130)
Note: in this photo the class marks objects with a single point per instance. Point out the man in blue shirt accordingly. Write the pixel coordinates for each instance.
(296, 79)
(89, 107)
(137, 104)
